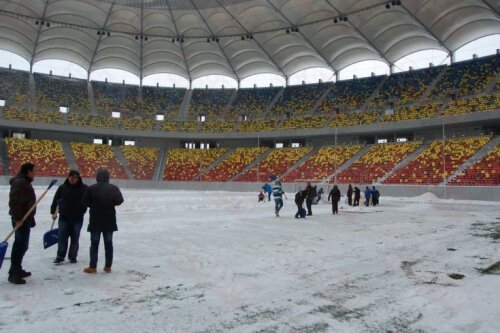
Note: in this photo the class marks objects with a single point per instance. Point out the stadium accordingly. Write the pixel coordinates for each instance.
(426, 137)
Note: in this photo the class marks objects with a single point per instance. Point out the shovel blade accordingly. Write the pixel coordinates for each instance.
(50, 238)
(3, 250)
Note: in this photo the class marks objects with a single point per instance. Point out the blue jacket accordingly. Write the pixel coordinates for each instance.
(267, 188)
(368, 193)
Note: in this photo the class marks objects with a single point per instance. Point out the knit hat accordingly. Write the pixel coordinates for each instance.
(74, 173)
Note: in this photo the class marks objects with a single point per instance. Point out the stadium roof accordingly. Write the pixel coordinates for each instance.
(238, 38)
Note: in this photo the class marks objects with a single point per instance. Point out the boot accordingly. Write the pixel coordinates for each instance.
(107, 269)
(89, 269)
(58, 260)
(16, 279)
(25, 273)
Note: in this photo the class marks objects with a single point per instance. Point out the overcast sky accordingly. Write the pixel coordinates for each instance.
(481, 47)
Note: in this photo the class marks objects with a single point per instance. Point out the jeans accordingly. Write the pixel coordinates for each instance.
(309, 206)
(20, 246)
(278, 203)
(95, 237)
(69, 227)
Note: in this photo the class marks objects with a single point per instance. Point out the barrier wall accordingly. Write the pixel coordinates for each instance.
(484, 193)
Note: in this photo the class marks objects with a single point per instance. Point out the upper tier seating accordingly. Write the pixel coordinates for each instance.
(185, 164)
(47, 117)
(217, 126)
(322, 164)
(47, 155)
(405, 87)
(349, 94)
(159, 100)
(276, 163)
(376, 162)
(294, 123)
(485, 172)
(467, 77)
(412, 113)
(263, 125)
(14, 86)
(88, 120)
(253, 101)
(428, 167)
(474, 104)
(137, 124)
(354, 118)
(209, 102)
(299, 100)
(53, 92)
(91, 157)
(141, 161)
(233, 164)
(115, 97)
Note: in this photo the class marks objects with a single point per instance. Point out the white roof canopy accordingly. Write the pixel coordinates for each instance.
(246, 37)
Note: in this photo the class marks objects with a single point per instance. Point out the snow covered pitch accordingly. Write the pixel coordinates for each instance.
(222, 262)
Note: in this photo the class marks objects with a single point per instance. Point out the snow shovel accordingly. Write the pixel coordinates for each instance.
(51, 237)
(4, 244)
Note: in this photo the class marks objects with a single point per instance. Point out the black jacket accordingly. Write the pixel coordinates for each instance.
(357, 193)
(70, 199)
(300, 197)
(21, 198)
(349, 191)
(334, 194)
(102, 198)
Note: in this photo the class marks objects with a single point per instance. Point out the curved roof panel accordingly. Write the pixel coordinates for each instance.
(238, 38)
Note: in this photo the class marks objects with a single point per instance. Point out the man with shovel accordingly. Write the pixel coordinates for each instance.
(71, 211)
(21, 198)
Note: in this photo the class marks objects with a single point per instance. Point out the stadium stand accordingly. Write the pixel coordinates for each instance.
(14, 87)
(114, 97)
(485, 172)
(295, 123)
(428, 168)
(160, 100)
(91, 157)
(185, 164)
(299, 100)
(233, 164)
(323, 164)
(53, 92)
(276, 163)
(252, 102)
(47, 155)
(376, 162)
(209, 102)
(263, 125)
(141, 161)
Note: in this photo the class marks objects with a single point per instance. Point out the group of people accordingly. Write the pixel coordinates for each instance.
(310, 195)
(70, 204)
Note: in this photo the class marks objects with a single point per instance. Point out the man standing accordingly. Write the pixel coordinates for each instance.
(335, 196)
(278, 200)
(357, 196)
(21, 198)
(71, 211)
(102, 198)
(310, 194)
(349, 195)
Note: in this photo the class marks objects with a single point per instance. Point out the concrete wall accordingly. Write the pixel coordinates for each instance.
(486, 193)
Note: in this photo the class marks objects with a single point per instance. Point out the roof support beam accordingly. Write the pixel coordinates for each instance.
(40, 27)
(142, 45)
(426, 28)
(318, 52)
(181, 46)
(493, 9)
(99, 40)
(380, 53)
(220, 47)
(256, 41)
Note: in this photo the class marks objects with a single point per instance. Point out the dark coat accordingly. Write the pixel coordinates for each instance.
(334, 194)
(21, 198)
(70, 199)
(102, 198)
(349, 191)
(357, 193)
(300, 196)
(310, 192)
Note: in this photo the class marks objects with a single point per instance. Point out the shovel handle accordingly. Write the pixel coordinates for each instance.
(30, 210)
(54, 219)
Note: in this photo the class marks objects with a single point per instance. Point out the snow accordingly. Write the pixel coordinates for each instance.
(188, 261)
